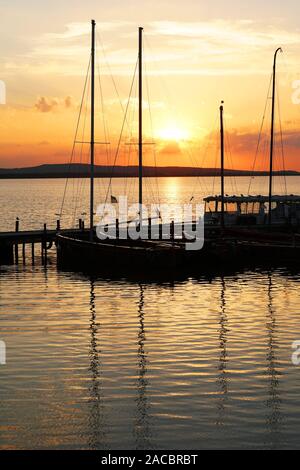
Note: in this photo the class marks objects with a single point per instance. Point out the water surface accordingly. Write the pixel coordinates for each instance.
(103, 364)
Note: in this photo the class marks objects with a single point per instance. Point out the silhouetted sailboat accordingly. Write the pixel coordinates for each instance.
(117, 253)
(121, 254)
(281, 212)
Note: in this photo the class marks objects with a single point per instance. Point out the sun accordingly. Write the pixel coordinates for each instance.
(172, 133)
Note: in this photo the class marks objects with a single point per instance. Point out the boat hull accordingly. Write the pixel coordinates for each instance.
(269, 253)
(100, 256)
(141, 257)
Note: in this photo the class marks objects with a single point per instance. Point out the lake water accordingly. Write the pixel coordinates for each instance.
(95, 363)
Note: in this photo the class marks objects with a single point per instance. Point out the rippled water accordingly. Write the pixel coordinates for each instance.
(197, 363)
(39, 201)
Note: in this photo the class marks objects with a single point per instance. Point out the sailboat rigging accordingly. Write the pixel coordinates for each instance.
(140, 125)
(126, 255)
(272, 135)
(278, 211)
(92, 148)
(222, 163)
(118, 252)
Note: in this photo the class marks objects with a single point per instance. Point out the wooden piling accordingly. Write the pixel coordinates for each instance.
(23, 252)
(32, 253)
(16, 244)
(183, 237)
(172, 230)
(160, 231)
(6, 254)
(45, 244)
(149, 228)
(16, 253)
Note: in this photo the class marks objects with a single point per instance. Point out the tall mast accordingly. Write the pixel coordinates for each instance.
(222, 163)
(140, 122)
(272, 134)
(92, 142)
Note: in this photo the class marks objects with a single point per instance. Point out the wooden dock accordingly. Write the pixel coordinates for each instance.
(10, 242)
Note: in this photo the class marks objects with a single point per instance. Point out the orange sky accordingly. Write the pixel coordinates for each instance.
(195, 56)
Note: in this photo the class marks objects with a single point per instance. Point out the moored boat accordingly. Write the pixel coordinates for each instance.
(115, 253)
(253, 216)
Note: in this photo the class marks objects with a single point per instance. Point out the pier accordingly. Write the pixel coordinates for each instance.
(13, 244)
(21, 245)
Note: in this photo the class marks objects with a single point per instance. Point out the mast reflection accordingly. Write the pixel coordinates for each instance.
(97, 424)
(142, 426)
(274, 418)
(223, 374)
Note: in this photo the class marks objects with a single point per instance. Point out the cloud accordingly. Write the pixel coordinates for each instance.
(47, 105)
(68, 101)
(134, 102)
(170, 149)
(171, 47)
(243, 142)
(221, 32)
(77, 30)
(246, 142)
(292, 139)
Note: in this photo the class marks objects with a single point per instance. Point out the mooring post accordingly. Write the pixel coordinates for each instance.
(16, 244)
(32, 253)
(160, 230)
(117, 228)
(16, 253)
(172, 230)
(149, 228)
(44, 245)
(58, 225)
(23, 252)
(182, 230)
(6, 254)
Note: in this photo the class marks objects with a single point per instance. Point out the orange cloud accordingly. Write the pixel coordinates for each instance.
(47, 105)
(170, 149)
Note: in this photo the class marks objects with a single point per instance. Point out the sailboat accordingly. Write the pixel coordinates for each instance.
(85, 248)
(275, 212)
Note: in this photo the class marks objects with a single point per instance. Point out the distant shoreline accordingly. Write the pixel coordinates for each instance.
(82, 171)
(44, 177)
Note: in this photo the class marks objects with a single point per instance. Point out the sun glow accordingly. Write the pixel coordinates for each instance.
(173, 133)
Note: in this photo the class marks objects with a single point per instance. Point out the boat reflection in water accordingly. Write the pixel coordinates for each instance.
(223, 374)
(98, 425)
(229, 382)
(274, 420)
(142, 422)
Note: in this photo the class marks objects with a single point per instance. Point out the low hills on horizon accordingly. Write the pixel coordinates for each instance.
(82, 170)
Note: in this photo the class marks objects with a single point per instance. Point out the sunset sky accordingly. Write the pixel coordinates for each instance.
(196, 54)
